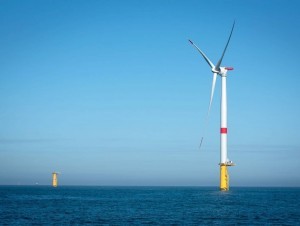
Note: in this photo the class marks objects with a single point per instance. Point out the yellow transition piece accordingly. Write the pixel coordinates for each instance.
(54, 179)
(224, 178)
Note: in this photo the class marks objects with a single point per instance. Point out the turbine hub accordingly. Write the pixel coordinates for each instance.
(216, 71)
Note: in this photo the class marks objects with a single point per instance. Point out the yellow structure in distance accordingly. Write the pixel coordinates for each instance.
(54, 179)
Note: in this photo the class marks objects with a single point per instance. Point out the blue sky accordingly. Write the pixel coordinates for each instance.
(112, 93)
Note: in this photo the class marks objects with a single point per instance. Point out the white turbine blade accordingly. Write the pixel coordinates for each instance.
(210, 102)
(212, 91)
(204, 56)
(217, 68)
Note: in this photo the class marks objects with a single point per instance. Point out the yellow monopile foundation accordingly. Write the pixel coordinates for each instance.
(224, 178)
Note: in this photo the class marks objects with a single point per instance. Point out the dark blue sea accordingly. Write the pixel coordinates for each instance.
(71, 205)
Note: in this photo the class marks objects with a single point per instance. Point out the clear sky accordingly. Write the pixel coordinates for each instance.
(112, 93)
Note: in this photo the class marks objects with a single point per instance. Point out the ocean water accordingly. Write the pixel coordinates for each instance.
(72, 205)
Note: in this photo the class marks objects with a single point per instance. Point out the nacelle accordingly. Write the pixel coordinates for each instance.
(222, 70)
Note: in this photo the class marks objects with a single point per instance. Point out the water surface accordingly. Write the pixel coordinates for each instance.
(72, 205)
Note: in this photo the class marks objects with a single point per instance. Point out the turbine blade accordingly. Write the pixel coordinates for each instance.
(212, 91)
(201, 142)
(204, 56)
(210, 102)
(217, 68)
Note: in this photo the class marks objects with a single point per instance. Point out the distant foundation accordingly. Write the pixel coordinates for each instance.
(54, 179)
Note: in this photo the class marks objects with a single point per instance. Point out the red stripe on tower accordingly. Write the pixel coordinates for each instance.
(223, 130)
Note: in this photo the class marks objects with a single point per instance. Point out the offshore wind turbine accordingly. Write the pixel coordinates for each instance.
(217, 70)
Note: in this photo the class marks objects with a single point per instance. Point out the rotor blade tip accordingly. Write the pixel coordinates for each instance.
(191, 42)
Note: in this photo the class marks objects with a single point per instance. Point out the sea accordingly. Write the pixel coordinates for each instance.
(75, 205)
